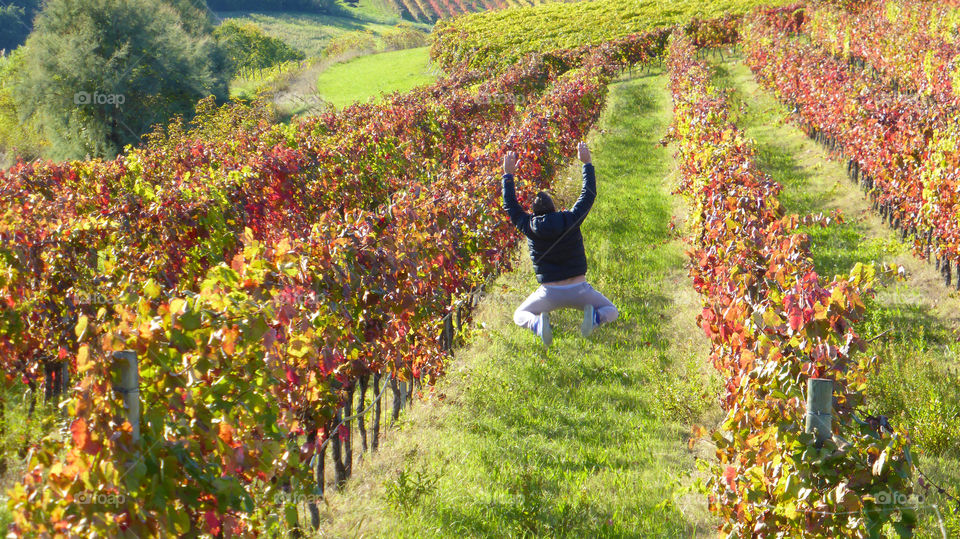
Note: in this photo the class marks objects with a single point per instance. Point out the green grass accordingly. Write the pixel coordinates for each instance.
(373, 10)
(917, 383)
(307, 32)
(18, 430)
(368, 76)
(588, 438)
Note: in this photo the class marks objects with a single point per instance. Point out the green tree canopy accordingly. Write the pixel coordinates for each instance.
(246, 46)
(100, 73)
(16, 20)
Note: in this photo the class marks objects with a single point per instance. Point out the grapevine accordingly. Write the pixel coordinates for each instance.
(773, 323)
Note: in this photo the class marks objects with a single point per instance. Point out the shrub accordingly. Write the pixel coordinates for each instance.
(246, 47)
(99, 73)
(362, 42)
(18, 139)
(403, 36)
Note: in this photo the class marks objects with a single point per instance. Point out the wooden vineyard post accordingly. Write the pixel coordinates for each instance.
(130, 388)
(348, 442)
(448, 332)
(361, 421)
(375, 440)
(339, 470)
(318, 479)
(47, 383)
(819, 408)
(64, 376)
(397, 402)
(410, 392)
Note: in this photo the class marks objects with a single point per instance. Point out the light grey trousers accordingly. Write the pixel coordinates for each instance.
(550, 298)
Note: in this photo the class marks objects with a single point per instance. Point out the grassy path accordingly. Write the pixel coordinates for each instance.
(586, 439)
(918, 384)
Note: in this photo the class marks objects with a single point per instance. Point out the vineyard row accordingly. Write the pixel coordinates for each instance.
(249, 353)
(773, 323)
(901, 149)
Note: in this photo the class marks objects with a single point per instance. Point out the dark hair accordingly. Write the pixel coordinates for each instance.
(543, 204)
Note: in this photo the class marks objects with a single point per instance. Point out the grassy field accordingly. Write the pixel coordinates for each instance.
(373, 10)
(919, 319)
(368, 76)
(308, 32)
(586, 439)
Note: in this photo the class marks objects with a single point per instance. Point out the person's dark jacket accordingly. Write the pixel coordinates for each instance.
(556, 245)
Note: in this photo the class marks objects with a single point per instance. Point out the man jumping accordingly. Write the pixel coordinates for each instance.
(556, 247)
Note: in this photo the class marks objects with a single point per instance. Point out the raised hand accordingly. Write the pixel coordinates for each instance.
(510, 163)
(583, 152)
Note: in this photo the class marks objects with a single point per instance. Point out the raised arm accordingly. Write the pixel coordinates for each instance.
(589, 191)
(518, 217)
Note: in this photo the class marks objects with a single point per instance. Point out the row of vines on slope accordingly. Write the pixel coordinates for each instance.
(499, 38)
(773, 324)
(77, 236)
(253, 300)
(903, 150)
(433, 10)
(910, 42)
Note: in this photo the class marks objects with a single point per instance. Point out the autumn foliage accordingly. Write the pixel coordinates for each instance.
(258, 272)
(895, 127)
(773, 324)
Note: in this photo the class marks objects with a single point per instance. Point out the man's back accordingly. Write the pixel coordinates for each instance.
(556, 247)
(555, 241)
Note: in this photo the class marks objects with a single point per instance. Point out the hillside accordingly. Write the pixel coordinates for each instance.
(434, 10)
(501, 37)
(308, 32)
(249, 327)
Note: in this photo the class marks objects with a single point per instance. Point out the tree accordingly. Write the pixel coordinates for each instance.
(195, 14)
(16, 20)
(246, 46)
(100, 73)
(17, 139)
